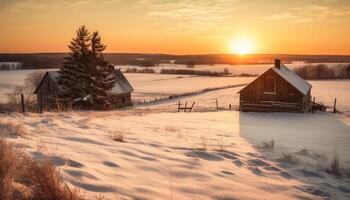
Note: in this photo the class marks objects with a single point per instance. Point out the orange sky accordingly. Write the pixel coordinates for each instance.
(179, 26)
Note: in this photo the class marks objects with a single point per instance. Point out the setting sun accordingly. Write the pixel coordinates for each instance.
(242, 46)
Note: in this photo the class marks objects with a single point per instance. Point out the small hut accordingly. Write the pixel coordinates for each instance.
(277, 90)
(48, 90)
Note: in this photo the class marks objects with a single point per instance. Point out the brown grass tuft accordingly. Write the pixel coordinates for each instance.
(334, 169)
(12, 128)
(9, 157)
(118, 136)
(267, 145)
(45, 182)
(22, 178)
(203, 143)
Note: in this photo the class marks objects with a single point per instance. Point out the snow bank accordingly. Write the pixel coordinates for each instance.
(207, 155)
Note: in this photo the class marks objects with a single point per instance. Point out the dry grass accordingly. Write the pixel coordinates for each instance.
(289, 158)
(9, 157)
(267, 145)
(13, 128)
(22, 178)
(118, 136)
(203, 143)
(334, 169)
(45, 182)
(221, 146)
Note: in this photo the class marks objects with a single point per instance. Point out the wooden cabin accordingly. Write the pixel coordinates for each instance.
(277, 90)
(48, 90)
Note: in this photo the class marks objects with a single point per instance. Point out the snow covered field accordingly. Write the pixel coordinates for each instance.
(234, 69)
(151, 86)
(202, 155)
(206, 154)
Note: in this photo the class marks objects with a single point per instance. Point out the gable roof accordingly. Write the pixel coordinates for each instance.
(121, 86)
(52, 75)
(291, 77)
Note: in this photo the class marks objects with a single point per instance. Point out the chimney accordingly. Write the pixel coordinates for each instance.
(278, 63)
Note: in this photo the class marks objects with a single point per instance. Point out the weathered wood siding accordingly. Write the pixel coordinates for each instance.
(270, 92)
(122, 100)
(47, 91)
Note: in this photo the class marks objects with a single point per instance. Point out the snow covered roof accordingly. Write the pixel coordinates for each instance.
(54, 75)
(122, 85)
(291, 77)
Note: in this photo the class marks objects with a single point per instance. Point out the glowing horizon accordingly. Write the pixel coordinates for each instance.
(179, 26)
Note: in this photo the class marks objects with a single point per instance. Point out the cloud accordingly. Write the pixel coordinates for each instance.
(280, 16)
(36, 5)
(189, 16)
(310, 13)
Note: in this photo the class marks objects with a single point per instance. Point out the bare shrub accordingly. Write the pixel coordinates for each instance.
(118, 136)
(10, 128)
(288, 158)
(267, 145)
(45, 182)
(31, 82)
(334, 169)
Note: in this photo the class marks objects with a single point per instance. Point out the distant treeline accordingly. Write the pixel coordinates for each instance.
(322, 71)
(194, 72)
(55, 60)
(144, 70)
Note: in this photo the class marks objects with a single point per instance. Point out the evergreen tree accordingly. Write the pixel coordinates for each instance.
(101, 78)
(85, 76)
(73, 76)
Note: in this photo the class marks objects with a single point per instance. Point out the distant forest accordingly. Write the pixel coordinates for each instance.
(55, 60)
(321, 71)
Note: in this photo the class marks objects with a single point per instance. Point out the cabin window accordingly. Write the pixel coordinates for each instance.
(123, 99)
(270, 85)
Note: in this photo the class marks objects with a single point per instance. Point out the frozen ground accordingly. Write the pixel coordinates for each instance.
(151, 86)
(156, 85)
(326, 91)
(203, 155)
(234, 69)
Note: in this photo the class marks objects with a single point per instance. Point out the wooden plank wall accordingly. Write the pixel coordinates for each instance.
(286, 98)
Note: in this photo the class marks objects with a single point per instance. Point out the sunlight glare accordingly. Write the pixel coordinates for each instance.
(241, 46)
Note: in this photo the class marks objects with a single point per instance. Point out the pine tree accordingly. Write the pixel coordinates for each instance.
(73, 75)
(101, 78)
(85, 76)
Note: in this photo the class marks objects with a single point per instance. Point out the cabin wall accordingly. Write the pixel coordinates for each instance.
(122, 100)
(46, 92)
(261, 95)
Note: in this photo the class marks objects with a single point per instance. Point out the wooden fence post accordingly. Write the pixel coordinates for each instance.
(57, 105)
(229, 106)
(217, 104)
(192, 106)
(335, 104)
(178, 107)
(185, 107)
(22, 103)
(41, 103)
